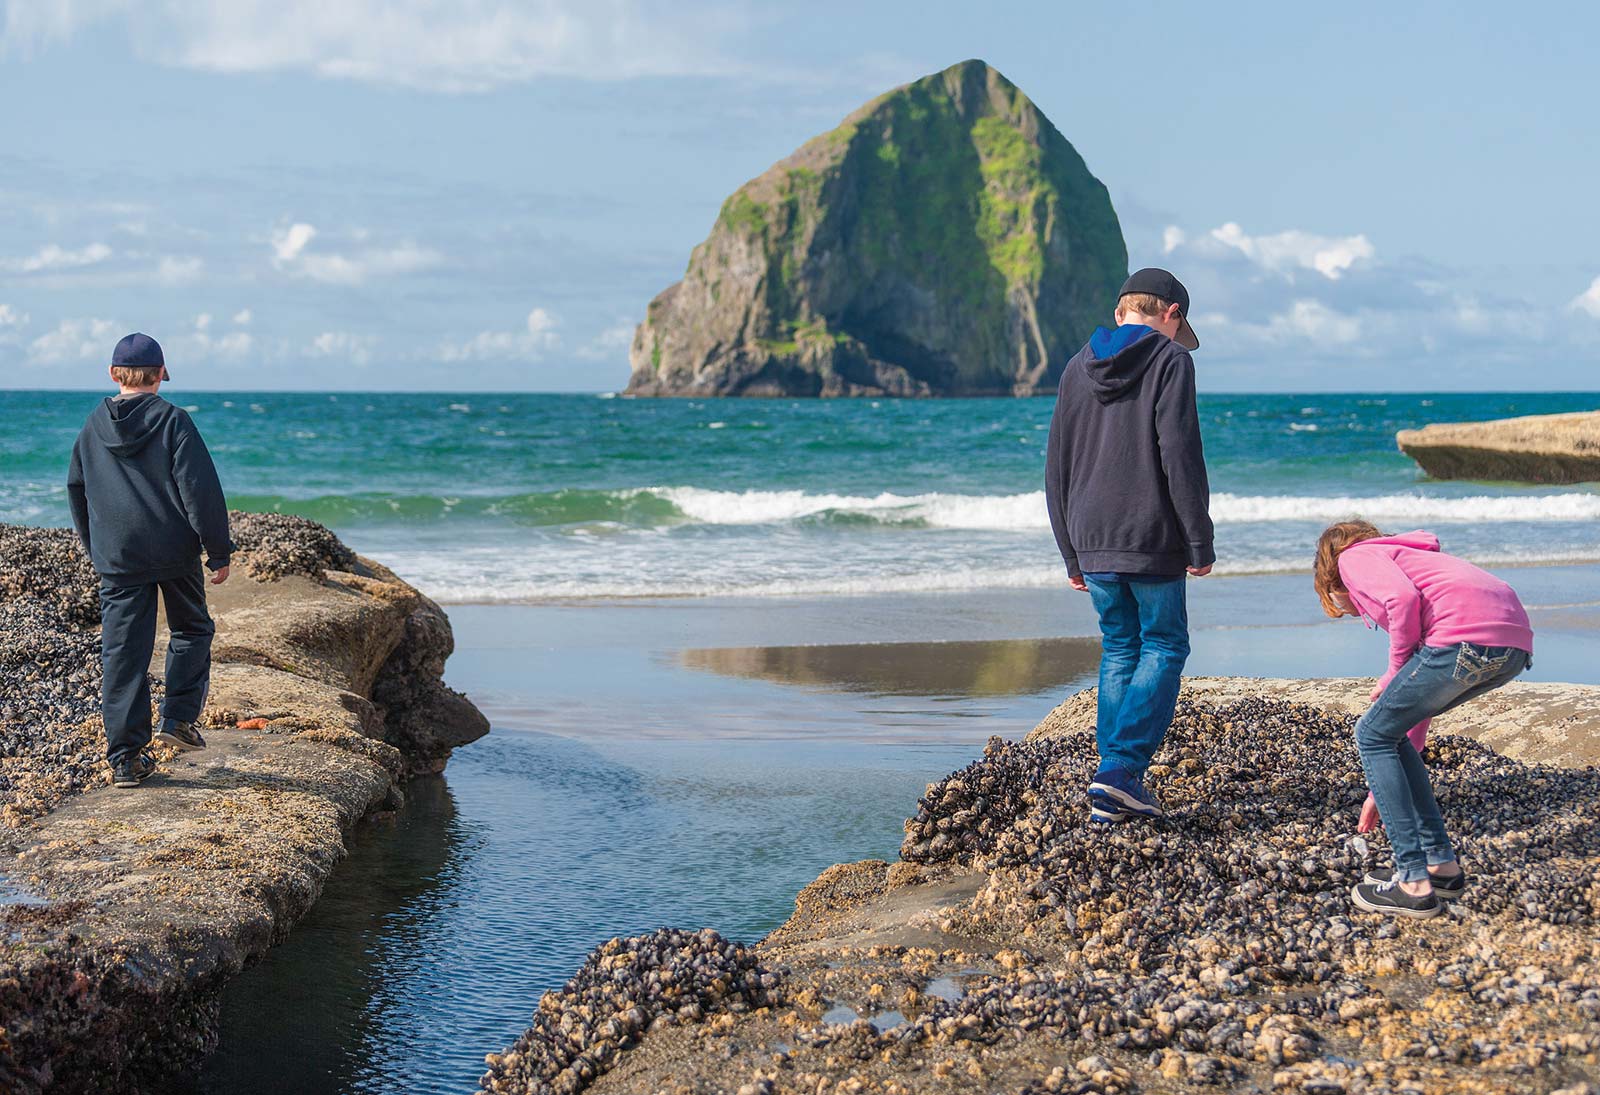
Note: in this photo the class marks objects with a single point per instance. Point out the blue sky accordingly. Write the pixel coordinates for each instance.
(485, 195)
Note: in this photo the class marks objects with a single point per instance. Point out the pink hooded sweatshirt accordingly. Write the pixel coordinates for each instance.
(1419, 595)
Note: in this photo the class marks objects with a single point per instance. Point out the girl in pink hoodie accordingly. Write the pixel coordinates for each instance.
(1455, 632)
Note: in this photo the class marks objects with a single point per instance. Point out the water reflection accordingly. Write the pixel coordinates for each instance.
(1006, 667)
(312, 1008)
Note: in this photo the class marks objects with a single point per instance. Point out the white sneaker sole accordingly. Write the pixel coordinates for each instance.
(1125, 800)
(1395, 910)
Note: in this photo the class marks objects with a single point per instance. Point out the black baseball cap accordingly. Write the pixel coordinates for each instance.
(1160, 283)
(139, 351)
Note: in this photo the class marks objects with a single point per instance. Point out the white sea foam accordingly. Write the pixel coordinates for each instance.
(1021, 512)
(448, 582)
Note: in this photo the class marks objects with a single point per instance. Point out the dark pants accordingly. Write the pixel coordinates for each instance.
(127, 640)
(1144, 641)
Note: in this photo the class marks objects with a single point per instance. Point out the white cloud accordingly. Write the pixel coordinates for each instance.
(467, 45)
(1303, 322)
(1589, 300)
(539, 335)
(1172, 238)
(354, 269)
(357, 349)
(75, 340)
(292, 240)
(610, 343)
(201, 345)
(242, 317)
(1316, 322)
(178, 270)
(10, 317)
(53, 257)
(290, 253)
(1285, 252)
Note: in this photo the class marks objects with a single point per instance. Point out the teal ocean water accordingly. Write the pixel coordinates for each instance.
(539, 497)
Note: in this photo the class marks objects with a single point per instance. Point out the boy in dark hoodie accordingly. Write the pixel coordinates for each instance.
(1125, 481)
(145, 499)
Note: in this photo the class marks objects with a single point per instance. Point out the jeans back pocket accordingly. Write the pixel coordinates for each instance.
(1474, 665)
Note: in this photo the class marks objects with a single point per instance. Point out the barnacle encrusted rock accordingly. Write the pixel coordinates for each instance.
(137, 906)
(1019, 947)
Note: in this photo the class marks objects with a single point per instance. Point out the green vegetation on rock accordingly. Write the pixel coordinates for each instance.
(945, 239)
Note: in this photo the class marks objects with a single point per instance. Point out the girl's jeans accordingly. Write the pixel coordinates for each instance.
(1435, 680)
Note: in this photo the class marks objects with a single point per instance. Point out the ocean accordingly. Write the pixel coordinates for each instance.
(533, 498)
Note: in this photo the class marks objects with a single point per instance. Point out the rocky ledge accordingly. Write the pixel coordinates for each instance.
(123, 913)
(1542, 448)
(1016, 948)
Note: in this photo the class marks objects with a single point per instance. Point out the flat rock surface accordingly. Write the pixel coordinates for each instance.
(1546, 448)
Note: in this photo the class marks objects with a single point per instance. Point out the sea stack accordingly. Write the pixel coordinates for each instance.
(944, 240)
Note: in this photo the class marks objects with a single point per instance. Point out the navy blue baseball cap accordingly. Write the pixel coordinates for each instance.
(1159, 283)
(139, 351)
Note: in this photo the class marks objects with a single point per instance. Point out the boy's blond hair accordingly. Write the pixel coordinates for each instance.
(130, 377)
(1146, 304)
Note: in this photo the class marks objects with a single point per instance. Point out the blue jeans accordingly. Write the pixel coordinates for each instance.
(1435, 680)
(1144, 640)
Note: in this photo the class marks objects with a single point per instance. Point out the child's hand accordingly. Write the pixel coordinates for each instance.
(1376, 692)
(1369, 816)
(1077, 582)
(219, 576)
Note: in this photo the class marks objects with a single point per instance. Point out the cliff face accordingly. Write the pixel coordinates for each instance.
(946, 239)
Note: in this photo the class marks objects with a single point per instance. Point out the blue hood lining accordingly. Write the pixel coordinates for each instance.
(1106, 343)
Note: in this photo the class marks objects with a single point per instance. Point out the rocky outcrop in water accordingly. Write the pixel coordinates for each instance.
(1543, 448)
(122, 913)
(946, 239)
(1016, 947)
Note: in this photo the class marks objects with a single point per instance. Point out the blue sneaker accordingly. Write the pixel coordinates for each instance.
(1103, 811)
(1117, 789)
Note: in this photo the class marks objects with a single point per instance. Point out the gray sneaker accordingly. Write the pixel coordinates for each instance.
(1390, 900)
(183, 735)
(1447, 888)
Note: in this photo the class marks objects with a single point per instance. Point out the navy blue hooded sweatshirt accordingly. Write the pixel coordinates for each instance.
(144, 493)
(1125, 475)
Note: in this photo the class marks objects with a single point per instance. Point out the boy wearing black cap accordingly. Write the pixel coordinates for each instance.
(1125, 482)
(145, 500)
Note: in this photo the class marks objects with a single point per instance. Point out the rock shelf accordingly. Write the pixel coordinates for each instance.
(123, 913)
(1217, 950)
(1543, 448)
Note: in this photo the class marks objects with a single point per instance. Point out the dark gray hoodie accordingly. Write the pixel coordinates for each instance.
(1125, 474)
(144, 493)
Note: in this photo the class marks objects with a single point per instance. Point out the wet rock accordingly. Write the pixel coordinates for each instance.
(624, 987)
